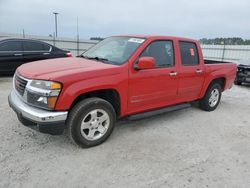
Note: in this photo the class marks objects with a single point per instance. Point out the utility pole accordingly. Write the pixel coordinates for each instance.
(56, 13)
(77, 35)
(23, 34)
(223, 50)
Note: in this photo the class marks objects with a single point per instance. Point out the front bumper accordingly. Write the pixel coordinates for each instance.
(42, 120)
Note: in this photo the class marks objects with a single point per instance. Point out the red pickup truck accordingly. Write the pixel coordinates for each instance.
(122, 76)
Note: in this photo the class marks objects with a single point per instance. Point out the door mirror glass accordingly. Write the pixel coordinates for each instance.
(145, 63)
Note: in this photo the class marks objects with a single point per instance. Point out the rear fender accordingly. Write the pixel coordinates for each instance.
(213, 76)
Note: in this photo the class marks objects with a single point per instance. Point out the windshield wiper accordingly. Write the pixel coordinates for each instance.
(96, 58)
(83, 56)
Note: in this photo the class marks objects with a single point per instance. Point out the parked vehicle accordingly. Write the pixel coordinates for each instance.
(122, 76)
(15, 52)
(243, 73)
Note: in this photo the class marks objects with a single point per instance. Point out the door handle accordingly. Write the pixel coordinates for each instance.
(45, 53)
(199, 71)
(173, 74)
(18, 54)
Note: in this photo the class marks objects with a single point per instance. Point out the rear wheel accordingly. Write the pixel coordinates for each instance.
(212, 98)
(91, 122)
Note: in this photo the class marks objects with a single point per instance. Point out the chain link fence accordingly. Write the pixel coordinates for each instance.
(232, 53)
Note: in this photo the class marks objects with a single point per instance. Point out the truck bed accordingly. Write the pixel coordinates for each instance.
(209, 61)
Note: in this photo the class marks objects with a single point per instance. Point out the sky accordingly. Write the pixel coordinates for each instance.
(188, 18)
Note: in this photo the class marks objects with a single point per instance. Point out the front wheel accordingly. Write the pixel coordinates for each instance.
(91, 122)
(212, 98)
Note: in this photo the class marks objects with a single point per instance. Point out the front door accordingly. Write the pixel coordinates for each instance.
(153, 88)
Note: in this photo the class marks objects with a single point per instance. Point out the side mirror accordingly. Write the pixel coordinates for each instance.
(145, 63)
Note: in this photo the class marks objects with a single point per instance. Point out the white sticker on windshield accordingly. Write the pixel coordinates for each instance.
(136, 40)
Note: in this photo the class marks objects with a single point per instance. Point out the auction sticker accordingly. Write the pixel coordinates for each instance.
(136, 40)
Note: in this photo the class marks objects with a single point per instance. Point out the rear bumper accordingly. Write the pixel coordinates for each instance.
(42, 120)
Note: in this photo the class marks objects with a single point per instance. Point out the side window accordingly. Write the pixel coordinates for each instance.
(11, 46)
(34, 46)
(162, 52)
(189, 53)
(46, 47)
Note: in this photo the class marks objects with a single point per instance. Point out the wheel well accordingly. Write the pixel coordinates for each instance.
(220, 81)
(109, 95)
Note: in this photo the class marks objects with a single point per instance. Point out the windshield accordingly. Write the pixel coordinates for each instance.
(114, 50)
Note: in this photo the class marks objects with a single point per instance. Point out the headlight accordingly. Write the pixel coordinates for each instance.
(43, 94)
(46, 85)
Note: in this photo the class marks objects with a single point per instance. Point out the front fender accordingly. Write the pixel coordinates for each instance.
(70, 92)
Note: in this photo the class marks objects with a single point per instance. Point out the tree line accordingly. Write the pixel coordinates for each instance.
(225, 41)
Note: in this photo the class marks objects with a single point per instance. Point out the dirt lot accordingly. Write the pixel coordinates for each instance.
(187, 148)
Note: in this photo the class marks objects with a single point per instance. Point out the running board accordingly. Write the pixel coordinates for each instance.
(159, 111)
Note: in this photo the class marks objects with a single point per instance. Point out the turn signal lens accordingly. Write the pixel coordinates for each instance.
(52, 102)
(55, 85)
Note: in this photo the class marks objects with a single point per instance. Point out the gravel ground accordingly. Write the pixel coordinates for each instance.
(186, 148)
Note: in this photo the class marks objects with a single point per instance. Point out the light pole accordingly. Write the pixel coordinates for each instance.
(77, 36)
(56, 13)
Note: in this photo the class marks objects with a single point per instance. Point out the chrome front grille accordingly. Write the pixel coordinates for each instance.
(20, 84)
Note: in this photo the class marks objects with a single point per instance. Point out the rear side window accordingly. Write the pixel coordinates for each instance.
(35, 46)
(162, 52)
(46, 47)
(11, 46)
(189, 53)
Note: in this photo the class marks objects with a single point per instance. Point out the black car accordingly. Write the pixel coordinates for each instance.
(15, 52)
(243, 73)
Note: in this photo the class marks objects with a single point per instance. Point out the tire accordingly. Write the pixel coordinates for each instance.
(212, 97)
(90, 122)
(237, 82)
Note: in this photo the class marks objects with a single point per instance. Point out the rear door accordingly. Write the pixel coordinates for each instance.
(34, 51)
(154, 88)
(191, 72)
(11, 55)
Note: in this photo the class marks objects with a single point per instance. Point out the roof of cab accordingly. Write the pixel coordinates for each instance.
(158, 37)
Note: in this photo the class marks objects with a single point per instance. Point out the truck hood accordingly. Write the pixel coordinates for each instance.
(56, 69)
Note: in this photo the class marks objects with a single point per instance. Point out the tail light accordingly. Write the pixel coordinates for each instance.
(69, 54)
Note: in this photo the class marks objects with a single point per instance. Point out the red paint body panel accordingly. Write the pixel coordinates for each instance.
(139, 91)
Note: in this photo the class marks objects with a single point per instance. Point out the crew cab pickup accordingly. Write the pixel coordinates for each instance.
(122, 76)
